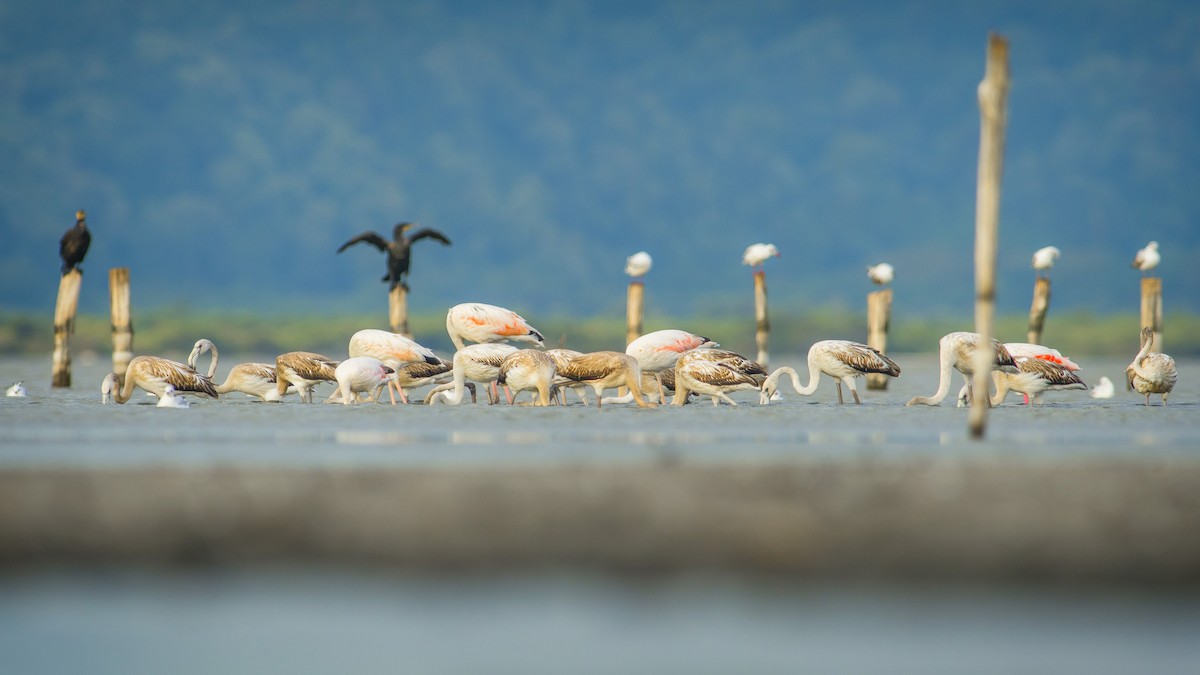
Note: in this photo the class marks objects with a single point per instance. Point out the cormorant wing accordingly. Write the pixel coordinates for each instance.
(430, 233)
(369, 237)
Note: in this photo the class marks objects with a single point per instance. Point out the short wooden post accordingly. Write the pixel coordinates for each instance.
(64, 325)
(762, 326)
(122, 326)
(993, 110)
(398, 310)
(879, 316)
(1152, 310)
(634, 310)
(1037, 311)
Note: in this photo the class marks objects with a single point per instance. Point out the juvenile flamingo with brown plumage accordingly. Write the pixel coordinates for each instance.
(304, 370)
(607, 370)
(154, 374)
(478, 363)
(252, 379)
(957, 350)
(1151, 372)
(842, 360)
(1034, 376)
(528, 370)
(696, 373)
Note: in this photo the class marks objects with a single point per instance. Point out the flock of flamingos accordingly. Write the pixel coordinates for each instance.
(652, 367)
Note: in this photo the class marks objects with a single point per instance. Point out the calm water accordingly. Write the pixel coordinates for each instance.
(337, 620)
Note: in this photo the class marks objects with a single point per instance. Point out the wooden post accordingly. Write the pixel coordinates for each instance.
(1037, 311)
(398, 310)
(122, 326)
(761, 324)
(634, 310)
(993, 109)
(879, 315)
(64, 325)
(1152, 309)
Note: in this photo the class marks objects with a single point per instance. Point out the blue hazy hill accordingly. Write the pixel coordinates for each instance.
(224, 151)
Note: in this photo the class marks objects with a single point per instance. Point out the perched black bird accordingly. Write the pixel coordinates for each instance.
(397, 250)
(74, 243)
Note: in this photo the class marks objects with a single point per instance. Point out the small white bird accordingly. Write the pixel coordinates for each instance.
(881, 274)
(1043, 258)
(638, 264)
(1147, 258)
(757, 254)
(1103, 389)
(18, 389)
(170, 399)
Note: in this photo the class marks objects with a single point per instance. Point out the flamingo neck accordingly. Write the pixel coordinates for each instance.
(814, 378)
(946, 359)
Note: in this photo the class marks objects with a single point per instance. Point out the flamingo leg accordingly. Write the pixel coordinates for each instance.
(853, 391)
(839, 389)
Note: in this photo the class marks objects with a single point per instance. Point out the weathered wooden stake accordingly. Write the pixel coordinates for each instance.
(634, 310)
(122, 326)
(879, 316)
(398, 310)
(1037, 311)
(64, 325)
(993, 109)
(1152, 309)
(762, 326)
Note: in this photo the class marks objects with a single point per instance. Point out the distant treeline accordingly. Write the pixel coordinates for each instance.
(169, 332)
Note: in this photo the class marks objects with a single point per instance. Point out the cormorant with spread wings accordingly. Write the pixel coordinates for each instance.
(397, 250)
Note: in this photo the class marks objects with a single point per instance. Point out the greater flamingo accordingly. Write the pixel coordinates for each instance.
(394, 350)
(304, 370)
(154, 374)
(1033, 377)
(842, 360)
(606, 370)
(478, 322)
(479, 363)
(252, 379)
(696, 372)
(1151, 372)
(360, 374)
(957, 351)
(528, 370)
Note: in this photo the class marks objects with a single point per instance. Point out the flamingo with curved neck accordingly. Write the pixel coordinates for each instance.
(1151, 372)
(957, 351)
(843, 360)
(479, 363)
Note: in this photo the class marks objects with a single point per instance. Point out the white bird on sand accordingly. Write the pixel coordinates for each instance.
(957, 350)
(528, 370)
(304, 370)
(606, 370)
(1043, 258)
(881, 274)
(252, 379)
(478, 322)
(478, 363)
(842, 360)
(697, 372)
(17, 390)
(757, 254)
(360, 374)
(1033, 377)
(1151, 372)
(170, 399)
(1103, 389)
(1147, 258)
(154, 374)
(394, 350)
(638, 264)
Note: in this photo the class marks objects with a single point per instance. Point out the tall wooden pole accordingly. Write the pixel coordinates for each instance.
(64, 324)
(1152, 310)
(1037, 310)
(879, 315)
(398, 310)
(122, 326)
(634, 310)
(993, 109)
(762, 326)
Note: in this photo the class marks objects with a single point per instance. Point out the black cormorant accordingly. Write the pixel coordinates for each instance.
(74, 243)
(397, 249)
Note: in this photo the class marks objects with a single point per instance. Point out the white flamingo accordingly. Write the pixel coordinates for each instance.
(528, 370)
(1151, 372)
(659, 350)
(842, 360)
(170, 399)
(696, 372)
(757, 254)
(881, 274)
(638, 264)
(1043, 258)
(477, 322)
(478, 363)
(1033, 377)
(606, 370)
(303, 370)
(1147, 258)
(957, 351)
(17, 390)
(360, 374)
(154, 374)
(394, 350)
(252, 379)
